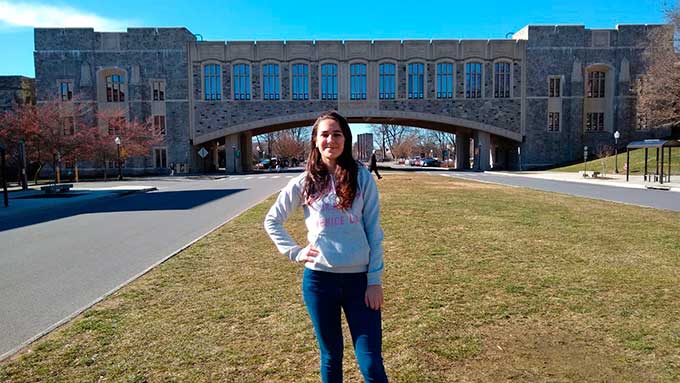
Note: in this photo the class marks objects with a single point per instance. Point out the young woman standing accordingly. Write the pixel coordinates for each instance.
(344, 258)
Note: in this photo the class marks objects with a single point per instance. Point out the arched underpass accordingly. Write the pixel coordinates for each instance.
(492, 147)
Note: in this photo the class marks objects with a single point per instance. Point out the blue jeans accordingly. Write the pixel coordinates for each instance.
(324, 295)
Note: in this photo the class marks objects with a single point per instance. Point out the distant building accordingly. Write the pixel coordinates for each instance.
(16, 90)
(364, 146)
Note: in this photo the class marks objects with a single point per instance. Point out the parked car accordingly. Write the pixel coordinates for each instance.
(430, 162)
(267, 163)
(417, 162)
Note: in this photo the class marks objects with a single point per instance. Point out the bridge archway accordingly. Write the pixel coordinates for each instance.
(497, 142)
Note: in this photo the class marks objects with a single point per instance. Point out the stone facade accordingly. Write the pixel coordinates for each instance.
(498, 126)
(16, 90)
(82, 57)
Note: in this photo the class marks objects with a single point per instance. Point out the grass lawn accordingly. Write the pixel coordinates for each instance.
(483, 283)
(637, 163)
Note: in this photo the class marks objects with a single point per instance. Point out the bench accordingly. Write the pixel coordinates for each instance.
(589, 173)
(58, 188)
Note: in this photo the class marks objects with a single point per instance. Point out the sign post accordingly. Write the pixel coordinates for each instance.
(203, 153)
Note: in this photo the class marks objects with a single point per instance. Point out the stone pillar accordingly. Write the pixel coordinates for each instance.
(231, 145)
(462, 151)
(247, 151)
(482, 150)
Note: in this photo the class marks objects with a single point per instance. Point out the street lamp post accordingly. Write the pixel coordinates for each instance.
(616, 151)
(120, 171)
(585, 159)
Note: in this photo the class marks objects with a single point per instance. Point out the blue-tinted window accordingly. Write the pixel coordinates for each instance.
(416, 80)
(114, 88)
(473, 80)
(387, 81)
(212, 75)
(445, 80)
(300, 81)
(501, 80)
(270, 82)
(357, 85)
(241, 82)
(329, 81)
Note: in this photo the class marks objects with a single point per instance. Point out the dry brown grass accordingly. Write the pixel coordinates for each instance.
(483, 284)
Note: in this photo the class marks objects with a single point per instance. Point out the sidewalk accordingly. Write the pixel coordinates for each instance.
(618, 180)
(34, 200)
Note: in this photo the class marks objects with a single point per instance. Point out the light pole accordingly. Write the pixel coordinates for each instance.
(120, 171)
(616, 151)
(585, 159)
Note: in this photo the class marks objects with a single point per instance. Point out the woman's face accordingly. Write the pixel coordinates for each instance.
(329, 140)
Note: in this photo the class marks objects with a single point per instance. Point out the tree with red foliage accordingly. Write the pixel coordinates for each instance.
(137, 138)
(51, 131)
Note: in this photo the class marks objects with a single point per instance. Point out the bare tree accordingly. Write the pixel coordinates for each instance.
(603, 153)
(405, 147)
(385, 135)
(659, 89)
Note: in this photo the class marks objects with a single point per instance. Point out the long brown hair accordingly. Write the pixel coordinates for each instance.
(317, 181)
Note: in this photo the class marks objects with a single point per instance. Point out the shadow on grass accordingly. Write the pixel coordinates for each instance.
(171, 200)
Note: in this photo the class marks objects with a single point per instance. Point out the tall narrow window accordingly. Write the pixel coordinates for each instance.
(161, 157)
(501, 80)
(68, 126)
(159, 125)
(554, 87)
(212, 75)
(553, 122)
(329, 81)
(416, 76)
(473, 80)
(594, 122)
(357, 84)
(158, 90)
(241, 82)
(270, 85)
(66, 90)
(387, 81)
(596, 84)
(300, 81)
(114, 88)
(445, 80)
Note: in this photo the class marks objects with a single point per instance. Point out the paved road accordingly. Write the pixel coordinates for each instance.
(651, 198)
(52, 266)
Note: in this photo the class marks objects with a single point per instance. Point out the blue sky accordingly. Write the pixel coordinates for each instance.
(310, 20)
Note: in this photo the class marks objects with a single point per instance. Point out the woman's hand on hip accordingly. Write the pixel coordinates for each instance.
(374, 297)
(307, 254)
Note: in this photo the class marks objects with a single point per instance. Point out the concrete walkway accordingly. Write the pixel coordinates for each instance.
(618, 180)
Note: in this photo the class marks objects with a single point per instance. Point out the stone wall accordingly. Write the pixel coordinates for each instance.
(569, 51)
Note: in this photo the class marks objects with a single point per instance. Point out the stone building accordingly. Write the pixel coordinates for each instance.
(546, 92)
(16, 90)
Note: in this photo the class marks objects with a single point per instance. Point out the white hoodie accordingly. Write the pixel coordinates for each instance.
(349, 241)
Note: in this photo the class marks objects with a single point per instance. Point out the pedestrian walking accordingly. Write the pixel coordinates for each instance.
(373, 165)
(343, 259)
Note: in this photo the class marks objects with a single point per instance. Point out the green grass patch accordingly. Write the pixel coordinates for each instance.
(483, 283)
(637, 163)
